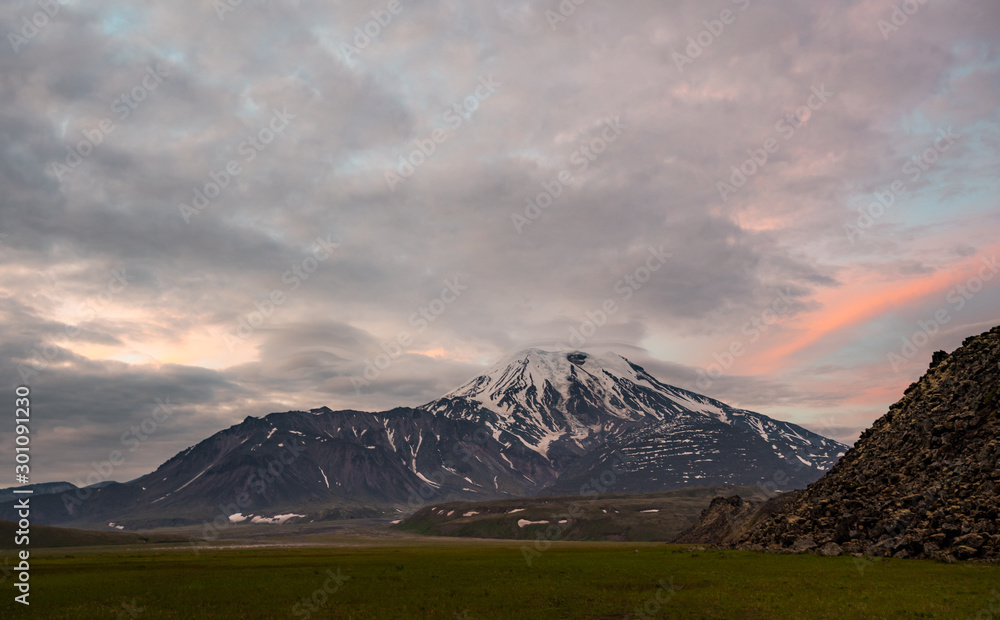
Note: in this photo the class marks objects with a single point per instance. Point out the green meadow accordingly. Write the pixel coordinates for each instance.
(482, 579)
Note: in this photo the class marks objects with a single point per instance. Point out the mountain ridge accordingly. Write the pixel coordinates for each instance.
(538, 422)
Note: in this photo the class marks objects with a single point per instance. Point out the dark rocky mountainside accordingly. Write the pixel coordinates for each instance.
(923, 481)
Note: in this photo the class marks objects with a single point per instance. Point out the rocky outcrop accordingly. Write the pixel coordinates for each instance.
(720, 522)
(728, 520)
(923, 481)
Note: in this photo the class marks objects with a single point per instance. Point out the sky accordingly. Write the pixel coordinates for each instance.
(213, 210)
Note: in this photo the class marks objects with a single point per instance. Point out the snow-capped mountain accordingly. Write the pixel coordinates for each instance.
(537, 422)
(562, 404)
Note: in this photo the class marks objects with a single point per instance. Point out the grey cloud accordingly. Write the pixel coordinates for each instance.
(323, 176)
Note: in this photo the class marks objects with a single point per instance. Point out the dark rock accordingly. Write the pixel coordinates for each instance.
(964, 553)
(970, 540)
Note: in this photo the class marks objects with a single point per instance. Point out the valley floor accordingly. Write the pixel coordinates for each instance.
(388, 577)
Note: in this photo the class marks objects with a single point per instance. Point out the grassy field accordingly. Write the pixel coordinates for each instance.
(478, 579)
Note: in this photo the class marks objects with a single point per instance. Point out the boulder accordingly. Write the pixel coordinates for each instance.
(969, 540)
(964, 553)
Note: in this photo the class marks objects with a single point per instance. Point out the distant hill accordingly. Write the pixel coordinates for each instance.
(43, 488)
(648, 517)
(44, 536)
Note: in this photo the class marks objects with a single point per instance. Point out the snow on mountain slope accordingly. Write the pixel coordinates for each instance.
(572, 400)
(536, 422)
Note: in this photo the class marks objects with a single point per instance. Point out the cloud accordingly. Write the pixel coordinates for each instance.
(415, 93)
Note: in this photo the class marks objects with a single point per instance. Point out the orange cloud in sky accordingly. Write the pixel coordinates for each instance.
(436, 353)
(858, 303)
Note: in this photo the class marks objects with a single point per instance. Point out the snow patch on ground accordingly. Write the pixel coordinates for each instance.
(275, 519)
(510, 512)
(524, 522)
(238, 518)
